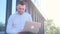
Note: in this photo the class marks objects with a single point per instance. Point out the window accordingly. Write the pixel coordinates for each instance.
(2, 15)
(13, 6)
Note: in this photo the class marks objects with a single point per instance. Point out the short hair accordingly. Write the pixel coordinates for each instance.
(21, 2)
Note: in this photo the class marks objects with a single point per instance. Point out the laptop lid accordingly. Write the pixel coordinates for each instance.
(32, 27)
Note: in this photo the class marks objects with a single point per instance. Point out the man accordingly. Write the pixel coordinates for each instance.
(17, 21)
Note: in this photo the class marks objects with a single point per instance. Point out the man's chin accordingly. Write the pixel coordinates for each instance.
(20, 13)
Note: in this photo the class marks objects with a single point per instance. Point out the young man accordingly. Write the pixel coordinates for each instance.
(17, 21)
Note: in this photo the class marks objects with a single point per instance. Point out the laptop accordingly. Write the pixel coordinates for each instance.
(32, 27)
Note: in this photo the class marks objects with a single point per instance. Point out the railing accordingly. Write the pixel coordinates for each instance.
(36, 15)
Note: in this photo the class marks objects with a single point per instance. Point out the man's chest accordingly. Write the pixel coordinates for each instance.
(19, 20)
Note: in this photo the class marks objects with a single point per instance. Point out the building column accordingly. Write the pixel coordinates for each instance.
(8, 11)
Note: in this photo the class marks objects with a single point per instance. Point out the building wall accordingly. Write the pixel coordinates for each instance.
(8, 11)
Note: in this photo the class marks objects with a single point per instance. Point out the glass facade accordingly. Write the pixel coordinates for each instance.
(2, 15)
(2, 11)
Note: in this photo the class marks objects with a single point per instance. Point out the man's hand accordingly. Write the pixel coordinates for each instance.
(22, 32)
(26, 33)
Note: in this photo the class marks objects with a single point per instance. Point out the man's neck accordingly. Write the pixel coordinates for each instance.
(21, 13)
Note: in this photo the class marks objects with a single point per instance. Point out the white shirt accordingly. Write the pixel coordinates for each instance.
(16, 22)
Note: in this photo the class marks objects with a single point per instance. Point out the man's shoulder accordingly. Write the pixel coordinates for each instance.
(13, 15)
(27, 14)
(29, 17)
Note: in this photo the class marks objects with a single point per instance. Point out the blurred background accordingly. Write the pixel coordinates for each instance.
(46, 12)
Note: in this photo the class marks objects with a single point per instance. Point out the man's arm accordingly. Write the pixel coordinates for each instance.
(29, 18)
(9, 25)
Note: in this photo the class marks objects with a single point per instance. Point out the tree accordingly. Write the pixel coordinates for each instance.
(50, 28)
(2, 26)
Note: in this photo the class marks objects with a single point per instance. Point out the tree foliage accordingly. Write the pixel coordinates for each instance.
(50, 28)
(2, 26)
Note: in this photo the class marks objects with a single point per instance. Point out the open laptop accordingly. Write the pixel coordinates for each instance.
(32, 27)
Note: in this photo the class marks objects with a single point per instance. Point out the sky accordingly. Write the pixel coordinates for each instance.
(51, 9)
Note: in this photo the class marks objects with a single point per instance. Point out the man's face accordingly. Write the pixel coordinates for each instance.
(21, 8)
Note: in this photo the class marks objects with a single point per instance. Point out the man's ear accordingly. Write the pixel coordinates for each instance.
(16, 7)
(25, 10)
